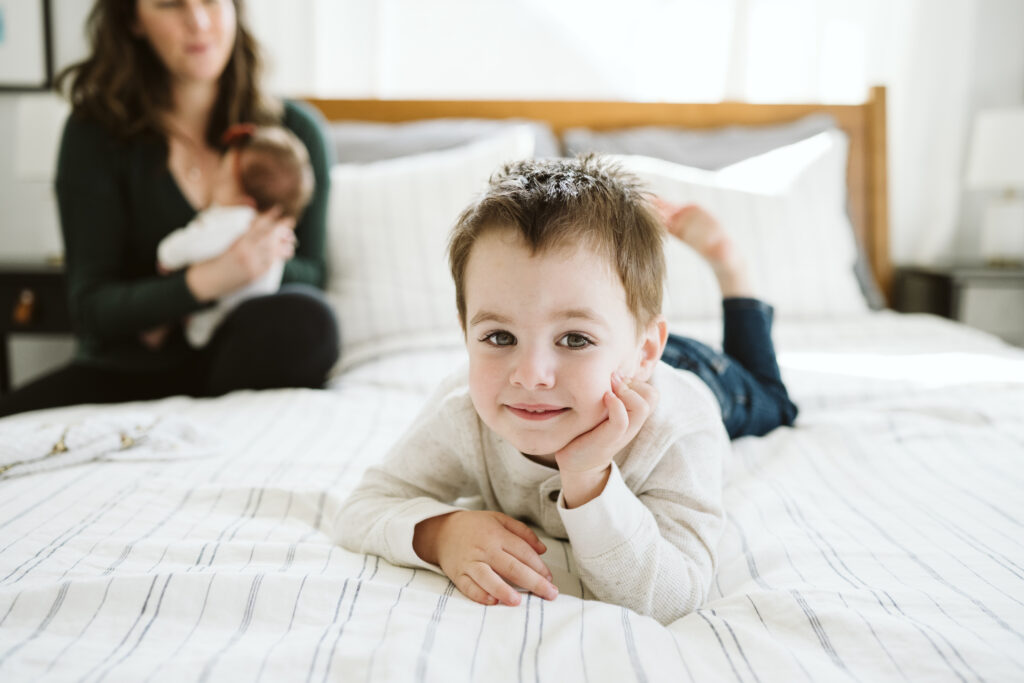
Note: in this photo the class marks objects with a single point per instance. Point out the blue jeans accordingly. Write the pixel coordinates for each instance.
(745, 377)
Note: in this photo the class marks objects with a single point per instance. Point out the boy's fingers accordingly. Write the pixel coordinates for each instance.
(648, 392)
(637, 396)
(646, 401)
(512, 569)
(527, 555)
(522, 531)
(486, 578)
(471, 590)
(618, 412)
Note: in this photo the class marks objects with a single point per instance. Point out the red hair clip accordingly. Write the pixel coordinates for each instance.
(238, 133)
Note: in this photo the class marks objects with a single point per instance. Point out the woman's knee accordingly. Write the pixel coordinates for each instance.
(306, 308)
(287, 339)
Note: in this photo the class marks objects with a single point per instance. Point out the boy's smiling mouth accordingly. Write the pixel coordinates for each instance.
(535, 411)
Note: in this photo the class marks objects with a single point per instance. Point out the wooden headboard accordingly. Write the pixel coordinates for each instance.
(863, 123)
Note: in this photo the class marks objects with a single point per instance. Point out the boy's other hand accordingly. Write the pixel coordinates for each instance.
(585, 462)
(485, 553)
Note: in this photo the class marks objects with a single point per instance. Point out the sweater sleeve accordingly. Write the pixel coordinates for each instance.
(653, 550)
(421, 477)
(105, 300)
(309, 265)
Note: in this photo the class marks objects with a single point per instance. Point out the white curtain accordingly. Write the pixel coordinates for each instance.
(930, 54)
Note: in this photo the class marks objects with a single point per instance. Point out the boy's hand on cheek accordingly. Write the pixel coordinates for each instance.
(585, 462)
(483, 552)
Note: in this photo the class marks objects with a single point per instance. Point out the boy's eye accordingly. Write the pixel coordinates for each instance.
(500, 338)
(574, 340)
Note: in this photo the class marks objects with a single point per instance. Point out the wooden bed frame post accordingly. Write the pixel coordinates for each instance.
(878, 192)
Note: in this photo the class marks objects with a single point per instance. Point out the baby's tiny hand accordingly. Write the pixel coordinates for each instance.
(583, 463)
(154, 338)
(483, 552)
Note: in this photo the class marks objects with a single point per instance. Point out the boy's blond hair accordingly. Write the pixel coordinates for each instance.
(274, 169)
(552, 203)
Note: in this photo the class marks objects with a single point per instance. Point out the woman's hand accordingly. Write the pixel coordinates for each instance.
(268, 240)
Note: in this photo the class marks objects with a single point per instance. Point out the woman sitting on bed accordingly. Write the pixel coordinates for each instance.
(149, 106)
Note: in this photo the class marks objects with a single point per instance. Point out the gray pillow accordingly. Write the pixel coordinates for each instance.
(366, 141)
(712, 149)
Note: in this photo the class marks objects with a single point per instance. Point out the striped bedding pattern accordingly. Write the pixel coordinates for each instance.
(880, 540)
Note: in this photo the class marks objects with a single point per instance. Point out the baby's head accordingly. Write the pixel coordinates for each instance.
(269, 166)
(558, 273)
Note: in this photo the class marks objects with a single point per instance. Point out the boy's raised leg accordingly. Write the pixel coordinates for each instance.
(699, 230)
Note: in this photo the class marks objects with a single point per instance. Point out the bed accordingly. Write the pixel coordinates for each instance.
(879, 539)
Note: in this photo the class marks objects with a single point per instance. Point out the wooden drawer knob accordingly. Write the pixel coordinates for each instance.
(24, 308)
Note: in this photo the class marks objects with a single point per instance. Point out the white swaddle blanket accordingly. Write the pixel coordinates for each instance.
(27, 447)
(210, 234)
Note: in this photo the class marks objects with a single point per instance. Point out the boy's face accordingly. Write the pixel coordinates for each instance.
(544, 335)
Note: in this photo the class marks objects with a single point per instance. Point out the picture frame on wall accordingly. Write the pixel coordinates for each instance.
(26, 54)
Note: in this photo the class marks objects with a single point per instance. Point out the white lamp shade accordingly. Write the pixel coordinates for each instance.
(997, 150)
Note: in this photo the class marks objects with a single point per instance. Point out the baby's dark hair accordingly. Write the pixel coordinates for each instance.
(552, 203)
(274, 169)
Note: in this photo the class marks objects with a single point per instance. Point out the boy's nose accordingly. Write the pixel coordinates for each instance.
(533, 369)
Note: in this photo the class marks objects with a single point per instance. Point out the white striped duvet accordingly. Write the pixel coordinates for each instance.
(880, 540)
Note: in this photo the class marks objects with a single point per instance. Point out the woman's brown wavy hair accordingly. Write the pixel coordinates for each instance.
(124, 86)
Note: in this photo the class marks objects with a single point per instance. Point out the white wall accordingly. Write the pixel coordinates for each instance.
(484, 48)
(29, 128)
(997, 80)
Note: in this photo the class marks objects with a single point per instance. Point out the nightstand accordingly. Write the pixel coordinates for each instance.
(989, 298)
(33, 299)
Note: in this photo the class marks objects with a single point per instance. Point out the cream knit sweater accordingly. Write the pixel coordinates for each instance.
(646, 542)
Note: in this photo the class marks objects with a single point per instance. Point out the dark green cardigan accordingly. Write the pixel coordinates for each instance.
(117, 200)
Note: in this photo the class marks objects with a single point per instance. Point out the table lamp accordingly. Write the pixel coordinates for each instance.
(997, 163)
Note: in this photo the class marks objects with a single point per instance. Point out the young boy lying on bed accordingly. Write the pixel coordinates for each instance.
(566, 417)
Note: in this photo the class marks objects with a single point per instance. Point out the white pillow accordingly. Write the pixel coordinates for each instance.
(786, 211)
(387, 240)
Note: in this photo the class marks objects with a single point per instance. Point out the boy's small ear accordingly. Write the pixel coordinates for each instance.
(652, 346)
